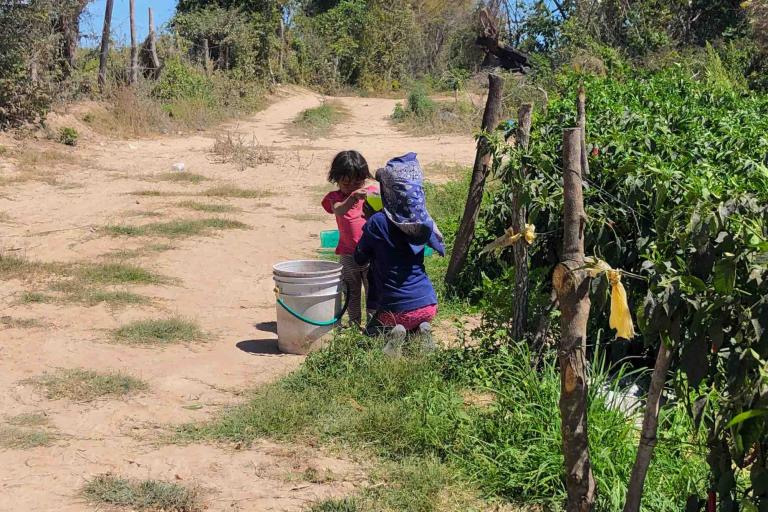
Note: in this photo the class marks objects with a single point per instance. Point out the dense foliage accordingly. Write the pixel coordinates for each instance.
(677, 194)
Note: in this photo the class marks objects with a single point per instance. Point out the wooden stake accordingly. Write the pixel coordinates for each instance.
(648, 432)
(134, 43)
(571, 283)
(466, 231)
(519, 219)
(104, 54)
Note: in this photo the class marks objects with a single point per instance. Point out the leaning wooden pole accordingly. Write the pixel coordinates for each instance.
(134, 43)
(650, 427)
(153, 45)
(104, 53)
(519, 219)
(571, 283)
(466, 231)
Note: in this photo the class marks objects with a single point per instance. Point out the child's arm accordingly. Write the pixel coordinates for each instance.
(344, 206)
(364, 249)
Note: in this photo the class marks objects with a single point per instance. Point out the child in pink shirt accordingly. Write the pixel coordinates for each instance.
(349, 171)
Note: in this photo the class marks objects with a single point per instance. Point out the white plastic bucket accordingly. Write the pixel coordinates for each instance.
(313, 290)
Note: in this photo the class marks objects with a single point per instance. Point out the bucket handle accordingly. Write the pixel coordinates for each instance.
(307, 320)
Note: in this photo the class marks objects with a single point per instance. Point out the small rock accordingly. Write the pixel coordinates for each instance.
(178, 166)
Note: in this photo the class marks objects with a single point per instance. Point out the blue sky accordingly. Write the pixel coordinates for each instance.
(93, 19)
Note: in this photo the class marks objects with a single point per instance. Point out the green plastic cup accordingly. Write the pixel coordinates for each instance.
(374, 201)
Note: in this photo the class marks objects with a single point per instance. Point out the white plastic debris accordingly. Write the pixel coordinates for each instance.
(178, 166)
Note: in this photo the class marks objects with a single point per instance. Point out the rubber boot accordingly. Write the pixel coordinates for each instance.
(396, 337)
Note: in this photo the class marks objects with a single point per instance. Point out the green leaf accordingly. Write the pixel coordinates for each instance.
(725, 276)
(747, 415)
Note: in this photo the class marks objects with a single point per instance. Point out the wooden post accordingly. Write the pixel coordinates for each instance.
(581, 121)
(648, 432)
(571, 283)
(480, 170)
(104, 54)
(134, 43)
(519, 219)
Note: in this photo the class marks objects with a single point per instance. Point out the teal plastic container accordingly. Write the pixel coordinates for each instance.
(329, 239)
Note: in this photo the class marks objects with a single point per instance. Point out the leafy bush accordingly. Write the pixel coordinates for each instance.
(677, 194)
(419, 103)
(68, 136)
(181, 81)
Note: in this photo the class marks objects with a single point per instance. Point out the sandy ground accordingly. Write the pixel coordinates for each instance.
(223, 283)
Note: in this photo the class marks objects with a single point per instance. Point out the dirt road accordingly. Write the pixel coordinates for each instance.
(222, 282)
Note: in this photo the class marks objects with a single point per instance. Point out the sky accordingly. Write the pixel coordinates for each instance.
(93, 19)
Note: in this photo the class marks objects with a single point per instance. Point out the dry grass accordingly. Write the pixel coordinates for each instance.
(128, 113)
(5, 218)
(10, 322)
(82, 385)
(234, 148)
(35, 164)
(145, 495)
(19, 267)
(145, 250)
(306, 217)
(155, 193)
(28, 419)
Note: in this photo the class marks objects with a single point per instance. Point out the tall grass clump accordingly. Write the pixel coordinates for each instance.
(414, 409)
(317, 121)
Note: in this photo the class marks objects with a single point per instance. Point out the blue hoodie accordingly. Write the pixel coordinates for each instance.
(397, 280)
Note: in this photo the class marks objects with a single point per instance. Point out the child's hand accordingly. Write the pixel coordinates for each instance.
(360, 193)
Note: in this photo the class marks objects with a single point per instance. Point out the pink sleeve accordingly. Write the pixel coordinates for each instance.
(328, 201)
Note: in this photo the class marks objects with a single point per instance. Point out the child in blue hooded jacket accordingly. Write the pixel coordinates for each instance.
(393, 242)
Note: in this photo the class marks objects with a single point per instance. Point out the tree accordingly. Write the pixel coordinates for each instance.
(104, 52)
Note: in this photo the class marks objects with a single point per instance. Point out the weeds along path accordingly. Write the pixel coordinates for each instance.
(111, 263)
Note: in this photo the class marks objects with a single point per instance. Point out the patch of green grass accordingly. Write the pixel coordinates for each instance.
(154, 193)
(318, 121)
(235, 192)
(152, 495)
(208, 207)
(181, 177)
(305, 217)
(77, 292)
(412, 415)
(117, 273)
(159, 332)
(126, 254)
(83, 385)
(29, 419)
(176, 228)
(24, 438)
(19, 323)
(18, 267)
(35, 298)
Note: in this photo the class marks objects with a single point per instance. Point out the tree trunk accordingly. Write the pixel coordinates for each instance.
(480, 170)
(572, 284)
(134, 43)
(154, 59)
(519, 219)
(581, 120)
(105, 45)
(650, 427)
(206, 57)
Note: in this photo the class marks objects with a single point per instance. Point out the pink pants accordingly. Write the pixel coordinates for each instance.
(408, 319)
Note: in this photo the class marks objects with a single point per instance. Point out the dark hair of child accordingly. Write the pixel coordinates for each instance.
(348, 164)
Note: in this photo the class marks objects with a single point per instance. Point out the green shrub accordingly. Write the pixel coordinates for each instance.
(68, 136)
(181, 81)
(419, 103)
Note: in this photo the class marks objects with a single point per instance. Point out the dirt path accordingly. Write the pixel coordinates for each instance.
(223, 282)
